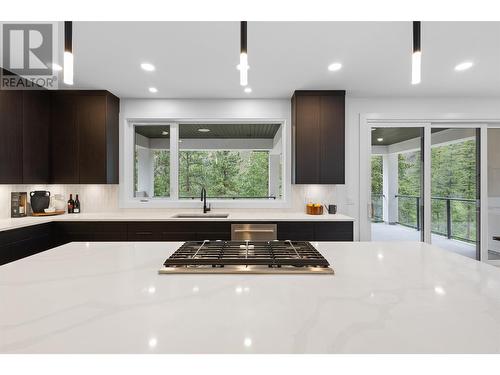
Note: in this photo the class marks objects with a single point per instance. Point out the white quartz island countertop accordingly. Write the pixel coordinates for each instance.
(384, 298)
(140, 215)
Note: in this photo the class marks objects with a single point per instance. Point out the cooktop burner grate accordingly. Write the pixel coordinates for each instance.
(254, 254)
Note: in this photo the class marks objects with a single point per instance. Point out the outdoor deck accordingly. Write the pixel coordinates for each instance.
(386, 232)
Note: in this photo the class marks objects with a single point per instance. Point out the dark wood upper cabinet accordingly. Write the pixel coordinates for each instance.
(64, 139)
(112, 139)
(11, 139)
(91, 125)
(332, 139)
(318, 133)
(85, 137)
(61, 137)
(307, 139)
(24, 144)
(36, 143)
(24, 149)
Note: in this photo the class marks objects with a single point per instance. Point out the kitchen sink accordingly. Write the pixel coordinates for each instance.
(200, 216)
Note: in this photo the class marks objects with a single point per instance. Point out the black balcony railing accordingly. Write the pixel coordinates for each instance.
(377, 213)
(455, 218)
(451, 217)
(409, 211)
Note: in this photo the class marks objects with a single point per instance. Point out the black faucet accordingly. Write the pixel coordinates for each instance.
(204, 200)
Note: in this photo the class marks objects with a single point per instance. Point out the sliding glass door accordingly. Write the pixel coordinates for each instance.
(492, 241)
(397, 183)
(433, 181)
(455, 190)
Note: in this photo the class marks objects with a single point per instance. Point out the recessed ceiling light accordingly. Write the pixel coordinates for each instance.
(248, 90)
(164, 133)
(152, 342)
(380, 139)
(439, 290)
(203, 130)
(147, 67)
(153, 89)
(334, 67)
(464, 66)
(56, 67)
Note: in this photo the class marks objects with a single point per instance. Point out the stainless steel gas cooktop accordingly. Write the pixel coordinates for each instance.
(253, 257)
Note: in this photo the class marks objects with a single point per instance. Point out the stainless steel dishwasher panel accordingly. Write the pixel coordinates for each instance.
(253, 232)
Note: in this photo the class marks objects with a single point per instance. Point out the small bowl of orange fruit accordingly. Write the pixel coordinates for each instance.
(314, 209)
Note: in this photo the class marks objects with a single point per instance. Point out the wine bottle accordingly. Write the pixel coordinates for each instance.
(76, 208)
(71, 204)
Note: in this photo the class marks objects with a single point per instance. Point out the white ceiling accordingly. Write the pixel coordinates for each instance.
(198, 59)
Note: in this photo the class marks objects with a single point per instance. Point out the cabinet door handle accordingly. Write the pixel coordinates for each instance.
(143, 233)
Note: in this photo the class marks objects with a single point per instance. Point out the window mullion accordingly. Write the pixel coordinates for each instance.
(174, 161)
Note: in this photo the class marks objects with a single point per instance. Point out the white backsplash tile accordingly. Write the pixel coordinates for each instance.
(104, 198)
(93, 198)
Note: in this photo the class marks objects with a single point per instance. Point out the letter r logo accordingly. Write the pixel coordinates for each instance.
(27, 48)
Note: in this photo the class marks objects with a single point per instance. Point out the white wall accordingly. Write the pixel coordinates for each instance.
(205, 109)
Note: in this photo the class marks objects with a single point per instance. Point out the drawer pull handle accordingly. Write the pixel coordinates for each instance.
(143, 233)
(254, 231)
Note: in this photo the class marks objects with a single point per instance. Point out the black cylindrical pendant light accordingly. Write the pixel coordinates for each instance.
(416, 36)
(416, 60)
(243, 66)
(68, 36)
(243, 37)
(68, 53)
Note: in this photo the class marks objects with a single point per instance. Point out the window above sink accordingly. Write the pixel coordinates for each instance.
(240, 164)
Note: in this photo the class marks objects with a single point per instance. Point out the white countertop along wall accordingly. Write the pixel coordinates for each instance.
(168, 215)
(384, 298)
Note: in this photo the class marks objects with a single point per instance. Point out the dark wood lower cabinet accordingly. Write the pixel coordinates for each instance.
(144, 231)
(20, 243)
(296, 231)
(105, 231)
(316, 231)
(218, 230)
(334, 231)
(178, 231)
